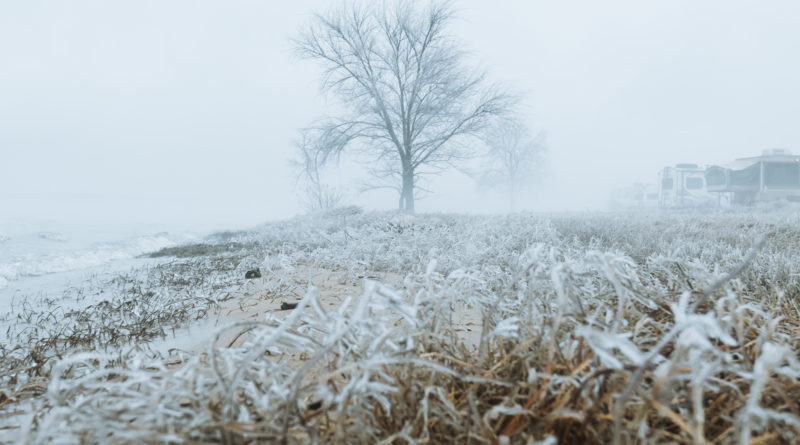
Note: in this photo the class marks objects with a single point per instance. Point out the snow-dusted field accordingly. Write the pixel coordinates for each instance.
(595, 328)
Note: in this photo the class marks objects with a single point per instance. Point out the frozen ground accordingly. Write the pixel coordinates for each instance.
(601, 328)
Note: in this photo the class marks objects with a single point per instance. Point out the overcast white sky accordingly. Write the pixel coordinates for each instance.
(184, 112)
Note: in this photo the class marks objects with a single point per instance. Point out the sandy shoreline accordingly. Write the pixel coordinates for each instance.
(253, 299)
(256, 298)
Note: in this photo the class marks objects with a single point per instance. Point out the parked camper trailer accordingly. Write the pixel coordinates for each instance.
(636, 197)
(684, 185)
(773, 175)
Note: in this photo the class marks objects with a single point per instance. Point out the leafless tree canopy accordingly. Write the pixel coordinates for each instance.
(411, 102)
(514, 160)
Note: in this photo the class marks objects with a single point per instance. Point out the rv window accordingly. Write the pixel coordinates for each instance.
(781, 174)
(666, 184)
(694, 183)
(715, 176)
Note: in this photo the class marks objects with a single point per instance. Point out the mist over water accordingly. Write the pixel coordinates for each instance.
(46, 257)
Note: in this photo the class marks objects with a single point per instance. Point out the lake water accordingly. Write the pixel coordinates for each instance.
(44, 258)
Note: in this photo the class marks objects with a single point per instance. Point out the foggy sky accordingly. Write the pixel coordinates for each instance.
(185, 111)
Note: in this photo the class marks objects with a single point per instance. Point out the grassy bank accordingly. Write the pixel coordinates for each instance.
(600, 328)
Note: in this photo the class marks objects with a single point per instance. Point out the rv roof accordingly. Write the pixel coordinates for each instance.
(741, 163)
(772, 157)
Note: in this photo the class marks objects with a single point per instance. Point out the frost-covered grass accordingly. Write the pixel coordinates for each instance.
(130, 309)
(605, 328)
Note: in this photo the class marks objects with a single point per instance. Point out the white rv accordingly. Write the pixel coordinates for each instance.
(773, 175)
(684, 185)
(636, 197)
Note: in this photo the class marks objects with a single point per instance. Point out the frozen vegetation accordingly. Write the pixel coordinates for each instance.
(591, 328)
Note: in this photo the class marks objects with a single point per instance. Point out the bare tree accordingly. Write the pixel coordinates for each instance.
(514, 160)
(411, 103)
(316, 196)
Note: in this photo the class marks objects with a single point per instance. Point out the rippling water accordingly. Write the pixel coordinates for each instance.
(46, 257)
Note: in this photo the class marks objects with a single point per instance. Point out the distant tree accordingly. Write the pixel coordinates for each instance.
(411, 103)
(316, 195)
(514, 159)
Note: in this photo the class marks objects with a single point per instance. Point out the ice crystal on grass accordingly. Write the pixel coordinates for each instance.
(509, 329)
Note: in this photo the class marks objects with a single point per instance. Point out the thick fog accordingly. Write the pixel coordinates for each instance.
(185, 112)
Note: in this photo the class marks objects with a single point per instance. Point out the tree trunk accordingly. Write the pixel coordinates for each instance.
(408, 190)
